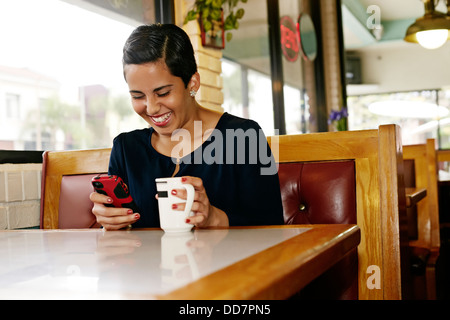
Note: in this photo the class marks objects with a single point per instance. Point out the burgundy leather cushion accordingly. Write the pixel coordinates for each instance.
(75, 207)
(323, 192)
(318, 192)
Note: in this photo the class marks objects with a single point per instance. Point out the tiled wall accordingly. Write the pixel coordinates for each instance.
(20, 191)
(209, 66)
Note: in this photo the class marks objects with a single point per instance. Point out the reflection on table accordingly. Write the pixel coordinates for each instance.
(93, 264)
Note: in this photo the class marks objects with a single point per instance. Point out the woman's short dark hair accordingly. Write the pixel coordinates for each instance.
(150, 43)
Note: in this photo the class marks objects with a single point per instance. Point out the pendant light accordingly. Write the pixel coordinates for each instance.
(432, 30)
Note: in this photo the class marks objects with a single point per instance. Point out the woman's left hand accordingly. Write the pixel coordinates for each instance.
(205, 214)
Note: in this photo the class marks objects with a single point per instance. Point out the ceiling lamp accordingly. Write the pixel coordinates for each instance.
(432, 30)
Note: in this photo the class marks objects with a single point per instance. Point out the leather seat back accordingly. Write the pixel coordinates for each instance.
(323, 193)
(318, 192)
(75, 207)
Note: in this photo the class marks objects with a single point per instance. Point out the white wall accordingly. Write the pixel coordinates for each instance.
(20, 193)
(405, 67)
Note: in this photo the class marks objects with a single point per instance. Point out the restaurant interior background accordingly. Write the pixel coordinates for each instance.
(62, 85)
(61, 82)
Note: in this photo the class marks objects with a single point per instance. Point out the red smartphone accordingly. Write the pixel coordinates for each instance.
(116, 189)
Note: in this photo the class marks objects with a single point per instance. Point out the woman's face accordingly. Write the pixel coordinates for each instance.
(160, 98)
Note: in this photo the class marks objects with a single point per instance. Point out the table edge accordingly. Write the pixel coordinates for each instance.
(276, 285)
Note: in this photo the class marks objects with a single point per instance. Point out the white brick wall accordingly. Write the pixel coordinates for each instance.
(209, 65)
(20, 191)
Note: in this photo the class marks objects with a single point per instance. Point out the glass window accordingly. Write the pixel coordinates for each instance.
(248, 94)
(12, 106)
(233, 91)
(260, 101)
(421, 114)
(246, 70)
(296, 108)
(61, 73)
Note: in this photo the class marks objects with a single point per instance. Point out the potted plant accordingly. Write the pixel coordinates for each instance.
(339, 119)
(216, 17)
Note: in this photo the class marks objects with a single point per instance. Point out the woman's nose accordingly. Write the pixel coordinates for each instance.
(152, 106)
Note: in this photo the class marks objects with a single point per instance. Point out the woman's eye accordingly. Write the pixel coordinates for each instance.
(163, 94)
(137, 97)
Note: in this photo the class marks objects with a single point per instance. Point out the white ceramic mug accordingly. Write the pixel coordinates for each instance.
(174, 220)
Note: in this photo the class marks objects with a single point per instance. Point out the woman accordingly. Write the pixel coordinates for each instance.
(185, 140)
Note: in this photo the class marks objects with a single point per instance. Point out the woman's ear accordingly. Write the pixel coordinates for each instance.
(194, 83)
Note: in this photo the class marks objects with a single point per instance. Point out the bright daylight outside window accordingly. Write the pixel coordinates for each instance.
(61, 80)
(421, 114)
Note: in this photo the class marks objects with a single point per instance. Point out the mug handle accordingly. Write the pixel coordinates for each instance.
(190, 198)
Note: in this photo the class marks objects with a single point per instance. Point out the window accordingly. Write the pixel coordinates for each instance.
(248, 94)
(420, 114)
(61, 76)
(246, 68)
(247, 74)
(296, 110)
(12, 106)
(234, 78)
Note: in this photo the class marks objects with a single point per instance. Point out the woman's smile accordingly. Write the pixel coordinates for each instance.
(161, 120)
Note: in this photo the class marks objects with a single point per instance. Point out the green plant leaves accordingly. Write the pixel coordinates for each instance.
(216, 14)
(240, 13)
(212, 11)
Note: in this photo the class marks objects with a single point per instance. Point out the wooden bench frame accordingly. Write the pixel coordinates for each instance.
(379, 189)
(380, 194)
(57, 164)
(426, 176)
(443, 155)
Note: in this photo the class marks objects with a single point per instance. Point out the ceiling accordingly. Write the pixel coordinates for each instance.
(250, 47)
(394, 16)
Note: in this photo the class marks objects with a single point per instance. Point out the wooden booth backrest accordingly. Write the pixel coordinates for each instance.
(425, 242)
(379, 194)
(443, 155)
(66, 187)
(425, 176)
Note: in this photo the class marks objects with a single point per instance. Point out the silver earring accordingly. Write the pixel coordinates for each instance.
(193, 93)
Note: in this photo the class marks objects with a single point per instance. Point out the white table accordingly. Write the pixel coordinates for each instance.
(145, 264)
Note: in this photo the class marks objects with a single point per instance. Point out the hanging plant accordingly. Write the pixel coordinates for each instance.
(217, 12)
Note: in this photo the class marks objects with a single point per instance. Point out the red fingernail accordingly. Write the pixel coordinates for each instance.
(174, 206)
(188, 220)
(183, 179)
(130, 211)
(109, 200)
(136, 216)
(174, 192)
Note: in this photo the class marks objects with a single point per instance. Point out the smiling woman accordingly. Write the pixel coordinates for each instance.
(161, 72)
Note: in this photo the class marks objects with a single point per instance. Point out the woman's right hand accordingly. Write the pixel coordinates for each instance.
(109, 217)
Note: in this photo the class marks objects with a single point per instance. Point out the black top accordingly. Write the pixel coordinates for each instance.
(235, 164)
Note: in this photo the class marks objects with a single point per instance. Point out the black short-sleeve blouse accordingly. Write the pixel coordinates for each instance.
(235, 164)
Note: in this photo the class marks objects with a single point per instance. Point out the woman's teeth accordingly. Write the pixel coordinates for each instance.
(162, 118)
